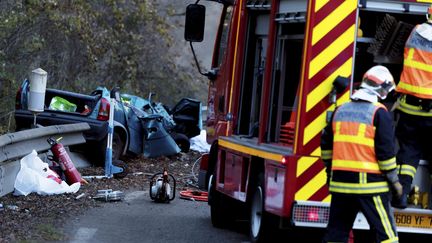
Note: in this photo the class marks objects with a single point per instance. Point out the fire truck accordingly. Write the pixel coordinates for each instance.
(279, 69)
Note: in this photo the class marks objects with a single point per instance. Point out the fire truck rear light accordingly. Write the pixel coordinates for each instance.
(284, 160)
(312, 215)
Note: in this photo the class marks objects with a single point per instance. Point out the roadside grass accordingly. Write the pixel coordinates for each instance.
(49, 232)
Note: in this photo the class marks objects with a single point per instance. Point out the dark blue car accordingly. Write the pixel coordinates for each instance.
(141, 126)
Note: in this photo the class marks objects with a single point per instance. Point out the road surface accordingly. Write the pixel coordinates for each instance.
(138, 219)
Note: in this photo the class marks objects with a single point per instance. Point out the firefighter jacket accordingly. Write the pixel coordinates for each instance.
(358, 148)
(416, 76)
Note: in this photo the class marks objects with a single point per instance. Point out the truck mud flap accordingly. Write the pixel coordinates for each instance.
(157, 141)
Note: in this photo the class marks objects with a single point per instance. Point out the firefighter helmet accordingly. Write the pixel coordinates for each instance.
(379, 81)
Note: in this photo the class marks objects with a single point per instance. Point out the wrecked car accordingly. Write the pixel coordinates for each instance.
(141, 126)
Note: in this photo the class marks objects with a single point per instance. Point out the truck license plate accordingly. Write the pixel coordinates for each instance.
(413, 220)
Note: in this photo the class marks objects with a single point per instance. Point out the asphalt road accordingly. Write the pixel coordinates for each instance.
(138, 219)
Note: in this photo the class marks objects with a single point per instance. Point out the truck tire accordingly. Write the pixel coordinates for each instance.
(217, 215)
(221, 208)
(211, 163)
(259, 219)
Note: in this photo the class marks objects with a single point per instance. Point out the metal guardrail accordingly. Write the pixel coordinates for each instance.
(14, 146)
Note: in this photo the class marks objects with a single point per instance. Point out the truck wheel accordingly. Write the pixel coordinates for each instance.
(122, 165)
(221, 212)
(214, 199)
(259, 219)
(211, 163)
(182, 141)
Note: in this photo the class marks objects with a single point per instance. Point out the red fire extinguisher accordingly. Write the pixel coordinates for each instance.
(62, 158)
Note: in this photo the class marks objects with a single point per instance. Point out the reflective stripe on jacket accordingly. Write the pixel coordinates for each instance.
(412, 109)
(416, 77)
(354, 149)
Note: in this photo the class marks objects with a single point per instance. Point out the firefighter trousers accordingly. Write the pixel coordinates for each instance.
(414, 135)
(376, 209)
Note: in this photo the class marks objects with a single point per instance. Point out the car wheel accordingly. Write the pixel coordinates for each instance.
(182, 141)
(122, 165)
(117, 146)
(117, 149)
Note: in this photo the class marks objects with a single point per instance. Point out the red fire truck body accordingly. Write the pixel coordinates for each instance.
(270, 95)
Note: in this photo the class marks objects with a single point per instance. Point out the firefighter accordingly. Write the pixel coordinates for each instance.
(358, 149)
(414, 126)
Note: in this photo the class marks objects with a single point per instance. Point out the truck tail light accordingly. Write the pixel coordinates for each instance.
(104, 110)
(311, 215)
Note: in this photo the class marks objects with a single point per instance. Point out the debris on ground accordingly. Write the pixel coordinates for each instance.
(194, 195)
(109, 195)
(36, 176)
(38, 218)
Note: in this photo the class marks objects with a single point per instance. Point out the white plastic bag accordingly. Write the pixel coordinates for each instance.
(199, 142)
(36, 176)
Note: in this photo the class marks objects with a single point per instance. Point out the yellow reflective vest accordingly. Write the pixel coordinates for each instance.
(354, 150)
(416, 76)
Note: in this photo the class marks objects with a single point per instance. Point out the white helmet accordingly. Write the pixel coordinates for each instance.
(379, 81)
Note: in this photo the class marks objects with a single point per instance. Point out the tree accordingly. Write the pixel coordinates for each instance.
(84, 44)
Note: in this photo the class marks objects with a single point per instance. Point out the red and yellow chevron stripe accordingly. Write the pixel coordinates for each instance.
(330, 48)
(311, 179)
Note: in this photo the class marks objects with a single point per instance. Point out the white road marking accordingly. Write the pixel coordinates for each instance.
(84, 235)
